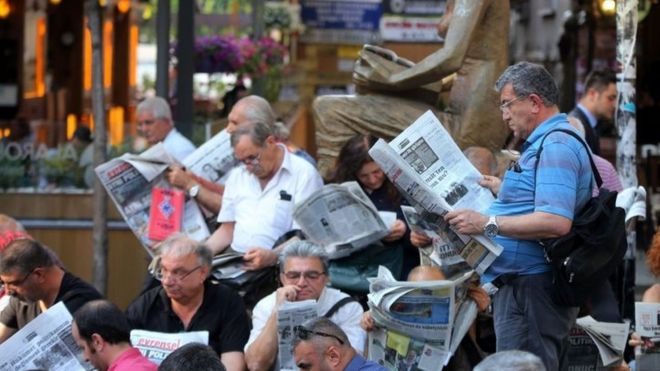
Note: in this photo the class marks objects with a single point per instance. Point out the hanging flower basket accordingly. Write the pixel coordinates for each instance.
(216, 54)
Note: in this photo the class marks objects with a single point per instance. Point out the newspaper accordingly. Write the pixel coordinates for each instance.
(432, 173)
(46, 343)
(633, 201)
(289, 315)
(341, 218)
(212, 160)
(427, 318)
(129, 179)
(610, 338)
(156, 346)
(647, 320)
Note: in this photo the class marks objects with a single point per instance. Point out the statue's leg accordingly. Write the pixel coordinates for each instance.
(339, 117)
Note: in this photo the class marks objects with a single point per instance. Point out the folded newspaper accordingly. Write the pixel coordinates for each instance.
(341, 218)
(129, 180)
(46, 343)
(156, 346)
(633, 201)
(432, 173)
(289, 315)
(427, 318)
(610, 338)
(212, 160)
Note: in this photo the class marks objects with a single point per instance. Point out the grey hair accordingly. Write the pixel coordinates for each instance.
(257, 109)
(303, 249)
(528, 78)
(326, 326)
(258, 133)
(512, 360)
(158, 107)
(178, 245)
(280, 131)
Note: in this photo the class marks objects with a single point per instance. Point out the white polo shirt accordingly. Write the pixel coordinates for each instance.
(177, 145)
(262, 216)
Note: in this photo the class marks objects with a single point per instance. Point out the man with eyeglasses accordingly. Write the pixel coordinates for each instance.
(189, 301)
(260, 196)
(154, 119)
(304, 276)
(322, 345)
(534, 201)
(34, 279)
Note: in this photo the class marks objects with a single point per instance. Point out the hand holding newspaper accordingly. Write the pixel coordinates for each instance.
(341, 218)
(46, 343)
(289, 315)
(212, 160)
(610, 338)
(633, 201)
(432, 173)
(129, 180)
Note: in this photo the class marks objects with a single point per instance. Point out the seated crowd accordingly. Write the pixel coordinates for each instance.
(254, 211)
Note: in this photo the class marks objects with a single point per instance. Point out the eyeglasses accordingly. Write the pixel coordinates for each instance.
(17, 283)
(176, 275)
(515, 166)
(303, 333)
(308, 275)
(252, 160)
(506, 106)
(146, 122)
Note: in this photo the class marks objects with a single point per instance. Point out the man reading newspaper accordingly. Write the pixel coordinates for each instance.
(304, 275)
(531, 205)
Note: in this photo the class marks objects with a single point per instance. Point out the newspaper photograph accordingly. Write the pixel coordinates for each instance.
(212, 160)
(46, 343)
(429, 169)
(341, 218)
(396, 352)
(129, 180)
(156, 346)
(289, 315)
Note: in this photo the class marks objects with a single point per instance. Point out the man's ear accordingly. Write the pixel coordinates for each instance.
(271, 140)
(97, 342)
(333, 355)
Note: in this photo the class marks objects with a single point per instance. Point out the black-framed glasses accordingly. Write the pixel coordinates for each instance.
(506, 106)
(308, 275)
(19, 282)
(175, 275)
(515, 166)
(304, 333)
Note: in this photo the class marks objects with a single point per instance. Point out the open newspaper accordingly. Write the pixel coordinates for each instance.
(341, 218)
(129, 180)
(46, 343)
(156, 346)
(647, 326)
(212, 160)
(609, 337)
(432, 173)
(289, 315)
(427, 318)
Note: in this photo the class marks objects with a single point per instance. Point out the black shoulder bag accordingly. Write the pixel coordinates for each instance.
(594, 247)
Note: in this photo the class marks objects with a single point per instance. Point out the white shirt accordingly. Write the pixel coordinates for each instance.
(347, 317)
(177, 145)
(262, 216)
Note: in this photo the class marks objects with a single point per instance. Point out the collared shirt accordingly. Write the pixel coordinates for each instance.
(132, 360)
(347, 317)
(562, 186)
(359, 363)
(607, 172)
(73, 292)
(221, 313)
(263, 215)
(177, 145)
(593, 121)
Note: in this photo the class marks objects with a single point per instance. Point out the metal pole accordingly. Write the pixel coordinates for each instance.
(163, 48)
(185, 49)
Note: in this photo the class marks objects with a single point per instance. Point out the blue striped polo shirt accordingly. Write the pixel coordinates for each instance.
(563, 186)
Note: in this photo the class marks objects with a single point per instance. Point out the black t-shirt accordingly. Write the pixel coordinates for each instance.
(222, 314)
(74, 293)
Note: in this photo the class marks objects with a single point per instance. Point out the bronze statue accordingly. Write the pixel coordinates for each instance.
(393, 92)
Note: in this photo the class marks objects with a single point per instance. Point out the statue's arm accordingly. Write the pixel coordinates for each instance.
(467, 15)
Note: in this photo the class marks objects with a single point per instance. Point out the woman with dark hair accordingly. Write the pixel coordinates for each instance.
(396, 251)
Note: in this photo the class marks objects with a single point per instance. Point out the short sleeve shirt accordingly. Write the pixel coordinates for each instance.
(261, 216)
(222, 314)
(74, 292)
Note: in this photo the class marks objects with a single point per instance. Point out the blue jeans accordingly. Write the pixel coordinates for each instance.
(526, 319)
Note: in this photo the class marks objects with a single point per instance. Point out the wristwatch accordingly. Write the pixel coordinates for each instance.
(491, 229)
(193, 191)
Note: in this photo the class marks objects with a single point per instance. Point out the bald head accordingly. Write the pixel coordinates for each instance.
(9, 224)
(250, 110)
(425, 273)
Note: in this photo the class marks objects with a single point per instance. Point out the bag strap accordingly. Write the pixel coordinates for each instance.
(337, 306)
(594, 169)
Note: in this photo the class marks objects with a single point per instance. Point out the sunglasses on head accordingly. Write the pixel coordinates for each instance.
(303, 333)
